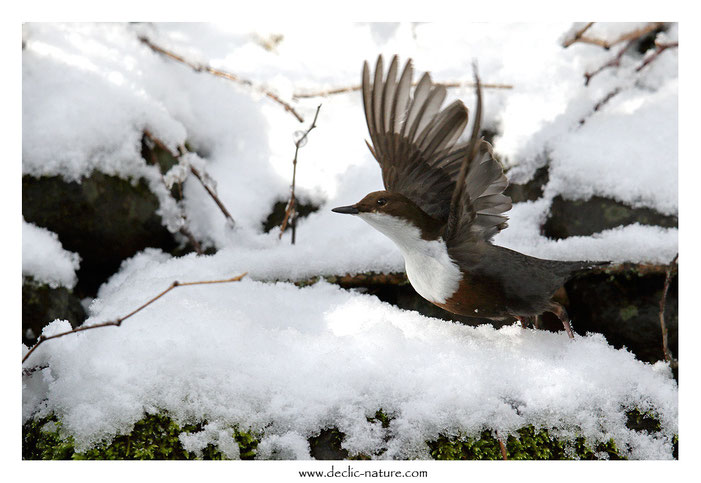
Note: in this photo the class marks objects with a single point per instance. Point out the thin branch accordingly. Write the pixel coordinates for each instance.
(184, 230)
(191, 238)
(663, 301)
(601, 103)
(213, 195)
(577, 35)
(341, 90)
(660, 47)
(290, 212)
(118, 322)
(182, 150)
(614, 62)
(632, 35)
(219, 73)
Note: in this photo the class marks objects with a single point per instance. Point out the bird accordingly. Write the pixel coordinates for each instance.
(444, 202)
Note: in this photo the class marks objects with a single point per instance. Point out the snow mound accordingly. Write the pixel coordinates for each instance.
(44, 258)
(287, 362)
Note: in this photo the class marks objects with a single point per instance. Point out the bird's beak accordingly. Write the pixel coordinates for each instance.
(348, 210)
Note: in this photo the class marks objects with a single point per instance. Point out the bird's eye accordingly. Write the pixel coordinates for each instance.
(381, 201)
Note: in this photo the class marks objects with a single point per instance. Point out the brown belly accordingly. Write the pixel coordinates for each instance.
(476, 300)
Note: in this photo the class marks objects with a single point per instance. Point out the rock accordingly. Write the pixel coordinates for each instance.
(327, 445)
(42, 304)
(277, 214)
(624, 306)
(531, 190)
(104, 218)
(586, 217)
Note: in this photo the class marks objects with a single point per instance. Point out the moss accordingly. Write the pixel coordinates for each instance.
(382, 418)
(248, 445)
(640, 421)
(531, 444)
(155, 437)
(628, 312)
(327, 445)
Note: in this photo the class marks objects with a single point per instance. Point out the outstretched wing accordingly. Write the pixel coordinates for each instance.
(415, 143)
(478, 204)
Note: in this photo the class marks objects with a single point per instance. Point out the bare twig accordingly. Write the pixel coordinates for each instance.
(601, 103)
(191, 238)
(341, 90)
(663, 301)
(118, 322)
(660, 47)
(219, 73)
(184, 230)
(182, 150)
(632, 35)
(213, 195)
(290, 212)
(614, 62)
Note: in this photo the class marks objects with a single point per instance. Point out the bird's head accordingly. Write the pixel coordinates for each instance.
(394, 215)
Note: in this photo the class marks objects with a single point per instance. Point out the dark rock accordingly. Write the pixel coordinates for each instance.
(624, 306)
(327, 445)
(530, 191)
(104, 218)
(582, 218)
(277, 215)
(42, 304)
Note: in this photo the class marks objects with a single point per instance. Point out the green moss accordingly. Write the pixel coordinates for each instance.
(531, 444)
(155, 437)
(382, 418)
(248, 445)
(639, 421)
(628, 312)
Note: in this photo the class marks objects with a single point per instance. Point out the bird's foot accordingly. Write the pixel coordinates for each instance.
(528, 321)
(561, 313)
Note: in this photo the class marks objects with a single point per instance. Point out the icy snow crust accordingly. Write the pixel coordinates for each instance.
(44, 258)
(288, 362)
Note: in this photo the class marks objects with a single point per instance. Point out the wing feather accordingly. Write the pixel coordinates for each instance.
(416, 145)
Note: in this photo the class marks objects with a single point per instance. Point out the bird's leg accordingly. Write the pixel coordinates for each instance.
(536, 321)
(527, 320)
(561, 313)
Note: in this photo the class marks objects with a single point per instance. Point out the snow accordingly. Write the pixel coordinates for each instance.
(287, 362)
(44, 258)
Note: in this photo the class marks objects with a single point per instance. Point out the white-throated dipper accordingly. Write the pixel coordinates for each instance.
(444, 203)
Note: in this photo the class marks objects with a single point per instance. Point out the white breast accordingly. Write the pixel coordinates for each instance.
(429, 268)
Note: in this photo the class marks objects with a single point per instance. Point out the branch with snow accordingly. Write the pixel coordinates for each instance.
(182, 150)
(117, 322)
(614, 62)
(578, 36)
(220, 73)
(659, 48)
